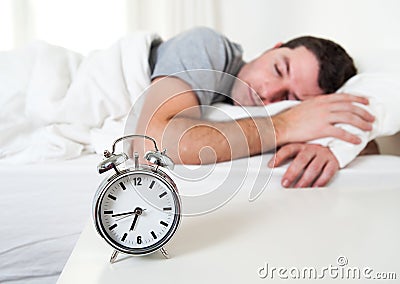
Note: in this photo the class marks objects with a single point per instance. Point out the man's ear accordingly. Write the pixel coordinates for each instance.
(279, 44)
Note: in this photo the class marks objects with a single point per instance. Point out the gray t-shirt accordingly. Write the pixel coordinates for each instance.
(196, 52)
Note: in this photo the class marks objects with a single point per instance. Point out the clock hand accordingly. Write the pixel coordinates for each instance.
(122, 214)
(134, 222)
(123, 217)
(128, 213)
(138, 211)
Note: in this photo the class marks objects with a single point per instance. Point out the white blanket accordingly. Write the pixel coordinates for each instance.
(57, 104)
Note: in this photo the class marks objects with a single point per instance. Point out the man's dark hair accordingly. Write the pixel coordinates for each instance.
(335, 65)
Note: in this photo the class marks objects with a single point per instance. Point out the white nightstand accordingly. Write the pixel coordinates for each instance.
(286, 230)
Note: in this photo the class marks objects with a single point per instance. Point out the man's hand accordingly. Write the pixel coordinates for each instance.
(313, 165)
(316, 118)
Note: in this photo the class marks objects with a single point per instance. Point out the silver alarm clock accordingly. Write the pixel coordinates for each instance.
(136, 210)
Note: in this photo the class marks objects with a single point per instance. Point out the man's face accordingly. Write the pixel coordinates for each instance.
(278, 74)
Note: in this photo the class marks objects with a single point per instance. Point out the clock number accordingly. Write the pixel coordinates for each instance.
(137, 181)
(139, 240)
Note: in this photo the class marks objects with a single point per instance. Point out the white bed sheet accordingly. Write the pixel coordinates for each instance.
(43, 210)
(44, 207)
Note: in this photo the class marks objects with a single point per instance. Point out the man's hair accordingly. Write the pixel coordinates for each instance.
(335, 65)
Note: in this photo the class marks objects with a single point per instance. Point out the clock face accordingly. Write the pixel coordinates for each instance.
(138, 212)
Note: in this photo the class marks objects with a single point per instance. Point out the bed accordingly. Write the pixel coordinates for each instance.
(44, 208)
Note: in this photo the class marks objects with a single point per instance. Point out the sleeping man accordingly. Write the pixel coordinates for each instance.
(304, 69)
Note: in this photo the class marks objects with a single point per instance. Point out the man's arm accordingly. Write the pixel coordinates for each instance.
(172, 116)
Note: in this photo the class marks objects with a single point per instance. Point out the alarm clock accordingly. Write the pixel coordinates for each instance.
(136, 210)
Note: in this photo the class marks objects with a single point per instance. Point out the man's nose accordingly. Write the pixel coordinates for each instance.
(274, 92)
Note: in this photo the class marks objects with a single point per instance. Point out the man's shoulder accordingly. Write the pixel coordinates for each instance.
(203, 32)
(209, 41)
(201, 35)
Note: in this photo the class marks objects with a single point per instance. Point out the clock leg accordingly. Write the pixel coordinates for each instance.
(164, 252)
(113, 256)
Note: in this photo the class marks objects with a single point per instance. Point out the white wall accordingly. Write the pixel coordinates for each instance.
(356, 24)
(80, 25)
(84, 25)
